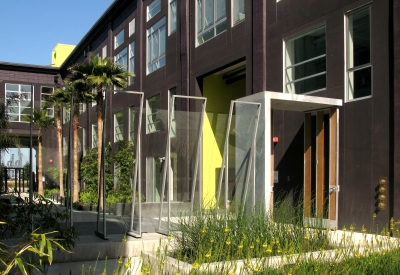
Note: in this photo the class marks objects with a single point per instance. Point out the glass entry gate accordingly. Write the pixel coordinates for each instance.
(240, 148)
(181, 166)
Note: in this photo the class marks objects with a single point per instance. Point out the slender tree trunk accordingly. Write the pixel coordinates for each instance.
(75, 197)
(99, 144)
(60, 156)
(39, 164)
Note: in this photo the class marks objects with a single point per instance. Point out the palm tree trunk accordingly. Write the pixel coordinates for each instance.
(60, 156)
(99, 110)
(39, 164)
(75, 169)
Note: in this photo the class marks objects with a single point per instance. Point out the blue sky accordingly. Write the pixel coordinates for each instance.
(30, 29)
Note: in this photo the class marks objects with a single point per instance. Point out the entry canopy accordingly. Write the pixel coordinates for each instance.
(295, 102)
(263, 183)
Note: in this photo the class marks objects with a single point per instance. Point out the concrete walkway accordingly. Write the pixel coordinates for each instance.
(92, 252)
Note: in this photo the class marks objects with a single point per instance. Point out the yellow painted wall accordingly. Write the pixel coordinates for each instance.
(60, 53)
(219, 96)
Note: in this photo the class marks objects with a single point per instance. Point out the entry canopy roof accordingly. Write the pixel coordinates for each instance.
(295, 102)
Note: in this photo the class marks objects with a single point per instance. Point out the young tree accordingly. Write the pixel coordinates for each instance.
(100, 74)
(42, 120)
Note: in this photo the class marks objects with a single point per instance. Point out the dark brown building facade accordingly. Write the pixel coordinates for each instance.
(228, 49)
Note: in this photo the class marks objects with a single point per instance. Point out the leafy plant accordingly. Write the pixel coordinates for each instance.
(49, 192)
(88, 170)
(88, 198)
(35, 244)
(124, 160)
(41, 215)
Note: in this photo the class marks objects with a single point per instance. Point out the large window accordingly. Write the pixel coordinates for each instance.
(45, 95)
(66, 114)
(131, 27)
(153, 114)
(359, 65)
(119, 39)
(122, 58)
(238, 11)
(211, 19)
(118, 127)
(104, 52)
(132, 62)
(305, 62)
(94, 135)
(172, 16)
(153, 8)
(156, 46)
(19, 101)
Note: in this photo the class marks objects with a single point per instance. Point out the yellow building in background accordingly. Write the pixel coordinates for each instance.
(60, 53)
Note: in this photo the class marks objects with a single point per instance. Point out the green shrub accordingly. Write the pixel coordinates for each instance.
(48, 192)
(20, 255)
(213, 235)
(88, 198)
(47, 218)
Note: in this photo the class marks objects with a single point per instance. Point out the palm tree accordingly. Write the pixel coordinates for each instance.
(58, 102)
(82, 94)
(100, 74)
(42, 120)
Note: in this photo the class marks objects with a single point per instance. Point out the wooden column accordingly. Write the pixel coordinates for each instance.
(307, 165)
(320, 164)
(333, 153)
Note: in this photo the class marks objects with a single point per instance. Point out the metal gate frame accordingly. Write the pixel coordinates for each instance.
(168, 156)
(136, 170)
(252, 159)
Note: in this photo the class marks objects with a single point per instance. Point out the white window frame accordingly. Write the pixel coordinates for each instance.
(153, 8)
(21, 95)
(131, 62)
(157, 32)
(287, 71)
(131, 27)
(119, 126)
(238, 17)
(104, 51)
(349, 67)
(153, 115)
(172, 17)
(214, 29)
(121, 58)
(43, 96)
(94, 92)
(66, 114)
(82, 108)
(119, 39)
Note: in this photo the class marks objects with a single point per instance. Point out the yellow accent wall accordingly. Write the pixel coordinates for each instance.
(60, 53)
(219, 96)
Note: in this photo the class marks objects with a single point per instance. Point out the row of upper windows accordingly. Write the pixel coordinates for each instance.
(211, 21)
(19, 102)
(305, 58)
